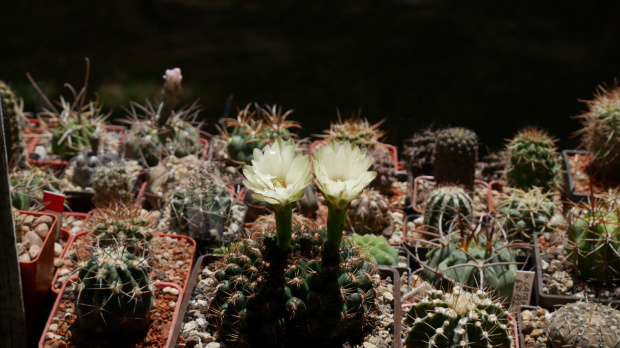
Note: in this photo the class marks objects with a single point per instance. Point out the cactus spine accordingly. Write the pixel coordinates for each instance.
(14, 123)
(124, 224)
(369, 213)
(459, 319)
(112, 183)
(526, 212)
(355, 130)
(456, 154)
(533, 161)
(444, 205)
(584, 325)
(377, 249)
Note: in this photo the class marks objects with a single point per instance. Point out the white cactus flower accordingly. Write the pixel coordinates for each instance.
(173, 77)
(341, 172)
(278, 175)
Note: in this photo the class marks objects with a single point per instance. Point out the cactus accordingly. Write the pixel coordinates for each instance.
(456, 154)
(201, 208)
(585, 325)
(533, 161)
(123, 224)
(594, 242)
(87, 162)
(459, 319)
(494, 166)
(420, 153)
(369, 213)
(112, 183)
(113, 294)
(600, 134)
(27, 186)
(253, 129)
(472, 256)
(257, 302)
(526, 212)
(14, 123)
(377, 249)
(383, 164)
(356, 130)
(444, 204)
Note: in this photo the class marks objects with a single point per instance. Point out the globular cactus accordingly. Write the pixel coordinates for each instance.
(525, 212)
(384, 165)
(201, 208)
(459, 318)
(533, 161)
(267, 297)
(444, 205)
(456, 154)
(584, 325)
(369, 213)
(377, 249)
(594, 242)
(420, 153)
(494, 166)
(253, 129)
(600, 134)
(14, 123)
(113, 294)
(27, 186)
(355, 130)
(124, 224)
(473, 256)
(112, 183)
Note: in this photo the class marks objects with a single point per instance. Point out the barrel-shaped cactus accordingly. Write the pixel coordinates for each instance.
(445, 206)
(533, 161)
(356, 131)
(377, 249)
(526, 212)
(113, 294)
(124, 224)
(456, 154)
(459, 319)
(369, 213)
(112, 183)
(584, 325)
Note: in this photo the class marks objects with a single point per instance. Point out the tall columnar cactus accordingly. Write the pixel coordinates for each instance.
(356, 131)
(124, 224)
(384, 165)
(377, 249)
(594, 243)
(14, 123)
(600, 134)
(456, 154)
(472, 256)
(533, 161)
(201, 208)
(113, 294)
(254, 128)
(112, 183)
(526, 212)
(444, 205)
(584, 325)
(27, 186)
(369, 213)
(459, 318)
(420, 153)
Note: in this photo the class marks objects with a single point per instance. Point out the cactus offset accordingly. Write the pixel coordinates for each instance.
(526, 212)
(369, 213)
(585, 325)
(420, 153)
(377, 249)
(459, 319)
(14, 123)
(533, 161)
(600, 134)
(444, 204)
(113, 294)
(456, 154)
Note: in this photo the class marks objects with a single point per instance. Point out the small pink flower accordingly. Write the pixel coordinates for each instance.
(173, 78)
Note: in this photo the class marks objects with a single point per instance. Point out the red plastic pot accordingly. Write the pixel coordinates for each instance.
(159, 285)
(37, 274)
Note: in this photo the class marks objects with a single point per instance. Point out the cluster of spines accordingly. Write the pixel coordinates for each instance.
(533, 161)
(459, 319)
(456, 154)
(526, 212)
(27, 186)
(14, 123)
(369, 213)
(355, 130)
(444, 205)
(311, 300)
(122, 224)
(112, 183)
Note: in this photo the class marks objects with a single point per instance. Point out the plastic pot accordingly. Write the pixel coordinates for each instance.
(569, 180)
(159, 285)
(205, 260)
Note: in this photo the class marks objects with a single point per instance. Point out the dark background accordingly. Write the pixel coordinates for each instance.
(493, 66)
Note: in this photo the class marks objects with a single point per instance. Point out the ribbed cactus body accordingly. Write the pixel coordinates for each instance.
(112, 183)
(445, 204)
(114, 295)
(14, 123)
(143, 142)
(124, 224)
(526, 212)
(70, 137)
(594, 245)
(462, 262)
(533, 161)
(459, 319)
(584, 325)
(267, 297)
(420, 153)
(456, 154)
(355, 130)
(369, 213)
(384, 165)
(377, 249)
